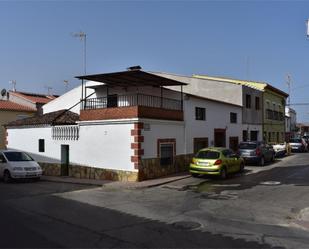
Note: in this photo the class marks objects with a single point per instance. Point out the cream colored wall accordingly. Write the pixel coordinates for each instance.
(6, 117)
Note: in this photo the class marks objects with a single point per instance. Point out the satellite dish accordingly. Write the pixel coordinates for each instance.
(3, 92)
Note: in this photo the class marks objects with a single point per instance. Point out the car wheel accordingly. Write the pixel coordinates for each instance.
(223, 173)
(262, 161)
(7, 176)
(242, 167)
(194, 174)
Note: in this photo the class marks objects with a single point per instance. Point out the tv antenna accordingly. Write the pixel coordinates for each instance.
(49, 90)
(82, 36)
(66, 84)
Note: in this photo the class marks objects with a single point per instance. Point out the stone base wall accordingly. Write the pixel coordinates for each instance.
(151, 168)
(84, 172)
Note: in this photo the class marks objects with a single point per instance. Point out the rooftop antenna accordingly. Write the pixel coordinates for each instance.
(13, 82)
(66, 84)
(49, 90)
(288, 82)
(82, 36)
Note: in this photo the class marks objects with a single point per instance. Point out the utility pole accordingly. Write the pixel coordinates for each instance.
(82, 36)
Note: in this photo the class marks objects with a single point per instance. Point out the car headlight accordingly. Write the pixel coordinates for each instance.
(18, 169)
(39, 168)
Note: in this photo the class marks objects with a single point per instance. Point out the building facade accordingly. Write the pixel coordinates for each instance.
(246, 96)
(129, 127)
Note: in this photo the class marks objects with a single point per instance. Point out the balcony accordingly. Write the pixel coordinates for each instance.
(131, 106)
(274, 115)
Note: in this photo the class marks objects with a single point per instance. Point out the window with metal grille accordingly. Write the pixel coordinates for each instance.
(200, 113)
(166, 154)
(233, 117)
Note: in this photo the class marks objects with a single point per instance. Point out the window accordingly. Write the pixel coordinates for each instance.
(41, 145)
(248, 101)
(166, 154)
(233, 117)
(257, 103)
(200, 113)
(2, 158)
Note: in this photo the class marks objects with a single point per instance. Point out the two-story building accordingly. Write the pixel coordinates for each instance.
(129, 126)
(272, 107)
(229, 91)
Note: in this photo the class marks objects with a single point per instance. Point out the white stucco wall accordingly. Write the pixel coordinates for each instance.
(217, 117)
(69, 99)
(103, 146)
(217, 90)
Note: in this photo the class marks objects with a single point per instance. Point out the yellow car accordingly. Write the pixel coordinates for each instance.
(216, 161)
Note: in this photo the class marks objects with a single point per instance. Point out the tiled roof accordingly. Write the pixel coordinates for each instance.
(11, 106)
(35, 98)
(61, 117)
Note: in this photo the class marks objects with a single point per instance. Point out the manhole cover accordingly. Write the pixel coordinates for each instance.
(186, 225)
(270, 183)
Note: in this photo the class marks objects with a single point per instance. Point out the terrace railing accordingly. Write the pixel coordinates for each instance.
(131, 100)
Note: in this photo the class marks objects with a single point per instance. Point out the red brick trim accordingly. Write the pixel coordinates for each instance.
(136, 145)
(138, 152)
(136, 132)
(138, 139)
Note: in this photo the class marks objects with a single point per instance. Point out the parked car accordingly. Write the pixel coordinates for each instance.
(280, 149)
(298, 144)
(256, 152)
(18, 165)
(216, 161)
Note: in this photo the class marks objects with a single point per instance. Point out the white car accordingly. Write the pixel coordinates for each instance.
(18, 165)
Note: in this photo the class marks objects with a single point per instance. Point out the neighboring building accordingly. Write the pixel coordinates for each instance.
(130, 128)
(32, 100)
(10, 111)
(303, 129)
(248, 97)
(290, 123)
(273, 106)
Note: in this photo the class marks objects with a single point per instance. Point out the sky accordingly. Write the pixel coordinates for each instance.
(251, 40)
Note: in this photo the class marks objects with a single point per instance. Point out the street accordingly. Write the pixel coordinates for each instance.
(263, 208)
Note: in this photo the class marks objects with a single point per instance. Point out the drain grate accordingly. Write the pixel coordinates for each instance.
(186, 225)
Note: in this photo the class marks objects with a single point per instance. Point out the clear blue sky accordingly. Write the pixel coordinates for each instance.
(256, 40)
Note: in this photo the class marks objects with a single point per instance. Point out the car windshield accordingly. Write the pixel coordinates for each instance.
(208, 154)
(295, 140)
(15, 156)
(247, 146)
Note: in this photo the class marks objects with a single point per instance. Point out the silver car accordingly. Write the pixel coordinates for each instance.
(18, 165)
(298, 144)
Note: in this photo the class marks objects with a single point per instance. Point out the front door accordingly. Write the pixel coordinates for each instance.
(219, 138)
(254, 135)
(65, 159)
(112, 100)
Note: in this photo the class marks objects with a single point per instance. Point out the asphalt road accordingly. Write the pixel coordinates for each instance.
(265, 208)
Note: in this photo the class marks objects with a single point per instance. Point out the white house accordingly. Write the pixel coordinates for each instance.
(129, 128)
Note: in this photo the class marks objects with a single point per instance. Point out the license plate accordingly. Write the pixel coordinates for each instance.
(203, 163)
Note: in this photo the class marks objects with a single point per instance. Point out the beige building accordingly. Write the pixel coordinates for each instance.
(10, 111)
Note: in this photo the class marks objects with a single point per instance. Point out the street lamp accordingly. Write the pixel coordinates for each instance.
(82, 37)
(307, 24)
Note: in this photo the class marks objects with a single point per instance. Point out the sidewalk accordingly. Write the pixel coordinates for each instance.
(118, 185)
